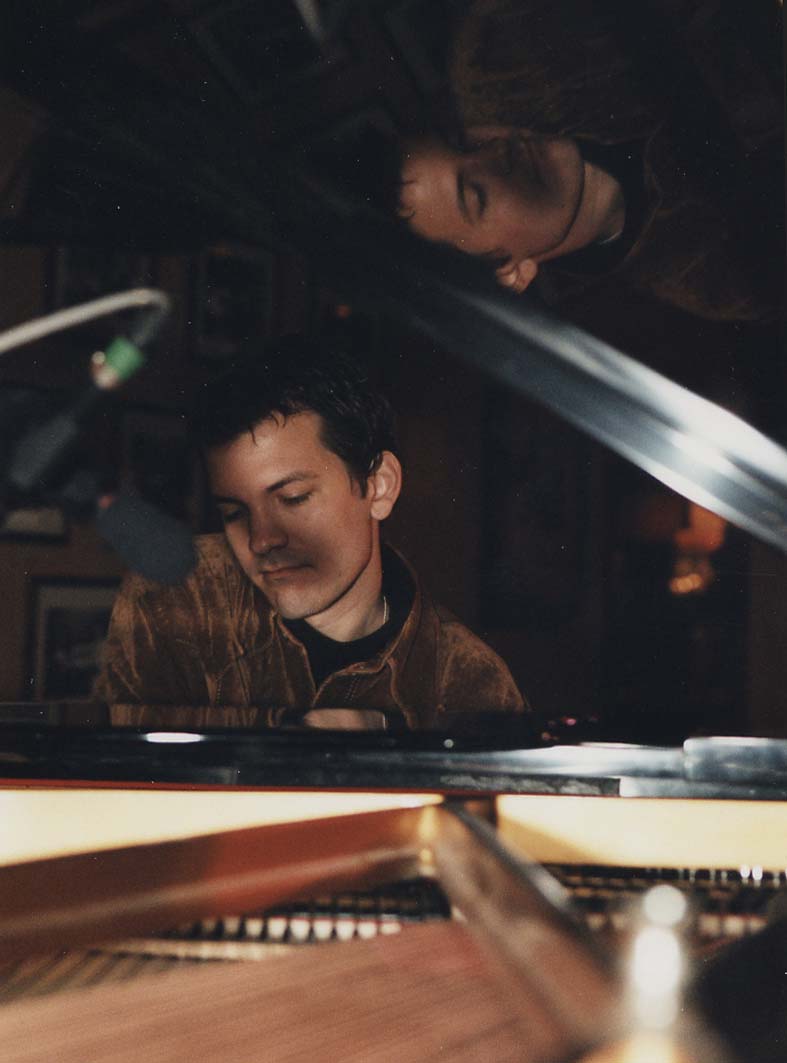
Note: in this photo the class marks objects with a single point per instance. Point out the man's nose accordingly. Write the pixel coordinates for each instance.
(265, 533)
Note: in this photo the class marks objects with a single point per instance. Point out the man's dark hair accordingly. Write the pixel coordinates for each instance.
(296, 375)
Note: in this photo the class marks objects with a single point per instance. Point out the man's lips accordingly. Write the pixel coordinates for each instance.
(280, 571)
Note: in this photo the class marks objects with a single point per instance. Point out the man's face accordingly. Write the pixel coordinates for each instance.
(512, 199)
(294, 519)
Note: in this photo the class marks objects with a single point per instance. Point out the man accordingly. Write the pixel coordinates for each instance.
(297, 607)
(591, 151)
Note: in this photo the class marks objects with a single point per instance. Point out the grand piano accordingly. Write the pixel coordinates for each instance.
(485, 892)
(489, 890)
(356, 896)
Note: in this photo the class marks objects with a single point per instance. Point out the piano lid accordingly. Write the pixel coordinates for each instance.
(695, 447)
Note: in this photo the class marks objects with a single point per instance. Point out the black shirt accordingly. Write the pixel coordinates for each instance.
(625, 163)
(327, 656)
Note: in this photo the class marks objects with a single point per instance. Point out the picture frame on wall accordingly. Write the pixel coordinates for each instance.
(68, 625)
(82, 273)
(232, 302)
(34, 524)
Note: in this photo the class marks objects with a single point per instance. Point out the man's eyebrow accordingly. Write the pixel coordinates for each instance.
(285, 480)
(290, 478)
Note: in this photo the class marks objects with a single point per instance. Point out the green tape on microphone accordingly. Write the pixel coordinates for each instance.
(123, 358)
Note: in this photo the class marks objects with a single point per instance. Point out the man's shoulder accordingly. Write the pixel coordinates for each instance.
(452, 633)
(471, 673)
(459, 638)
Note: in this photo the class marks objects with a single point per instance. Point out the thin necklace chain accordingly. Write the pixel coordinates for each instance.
(385, 610)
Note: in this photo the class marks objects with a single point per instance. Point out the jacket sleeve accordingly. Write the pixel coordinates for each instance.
(472, 678)
(144, 661)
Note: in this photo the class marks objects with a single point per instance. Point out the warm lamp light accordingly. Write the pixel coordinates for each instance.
(704, 533)
(641, 1048)
(702, 536)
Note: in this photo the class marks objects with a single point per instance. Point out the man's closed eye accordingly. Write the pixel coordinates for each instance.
(296, 500)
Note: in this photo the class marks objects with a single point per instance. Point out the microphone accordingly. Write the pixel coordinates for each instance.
(44, 448)
(149, 541)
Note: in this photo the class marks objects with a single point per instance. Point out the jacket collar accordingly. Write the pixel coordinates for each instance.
(411, 655)
(397, 649)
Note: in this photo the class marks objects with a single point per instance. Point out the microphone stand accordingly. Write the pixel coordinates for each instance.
(150, 541)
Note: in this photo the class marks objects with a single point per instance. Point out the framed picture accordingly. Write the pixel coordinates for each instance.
(158, 463)
(69, 620)
(84, 273)
(232, 301)
(44, 523)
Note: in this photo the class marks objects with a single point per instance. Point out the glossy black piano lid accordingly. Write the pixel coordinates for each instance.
(36, 744)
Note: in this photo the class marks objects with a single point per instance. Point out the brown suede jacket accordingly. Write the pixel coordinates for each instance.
(211, 651)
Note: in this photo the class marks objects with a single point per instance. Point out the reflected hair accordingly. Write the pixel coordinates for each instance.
(552, 69)
(297, 375)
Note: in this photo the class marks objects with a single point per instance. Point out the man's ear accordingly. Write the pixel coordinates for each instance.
(517, 275)
(384, 485)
